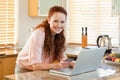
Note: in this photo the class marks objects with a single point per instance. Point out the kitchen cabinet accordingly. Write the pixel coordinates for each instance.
(41, 7)
(116, 8)
(7, 66)
(1, 68)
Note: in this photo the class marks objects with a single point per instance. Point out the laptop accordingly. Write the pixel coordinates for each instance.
(87, 60)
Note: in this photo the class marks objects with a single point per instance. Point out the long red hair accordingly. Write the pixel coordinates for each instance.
(56, 47)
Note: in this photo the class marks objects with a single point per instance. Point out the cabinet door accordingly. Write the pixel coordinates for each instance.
(1, 68)
(9, 65)
(33, 7)
(41, 7)
(116, 7)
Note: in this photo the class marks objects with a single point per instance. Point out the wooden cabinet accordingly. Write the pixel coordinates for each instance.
(41, 7)
(33, 7)
(7, 66)
(116, 8)
(1, 68)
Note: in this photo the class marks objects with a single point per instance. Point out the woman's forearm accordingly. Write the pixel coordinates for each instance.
(47, 66)
(43, 66)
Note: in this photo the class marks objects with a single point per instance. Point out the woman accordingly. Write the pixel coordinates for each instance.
(45, 48)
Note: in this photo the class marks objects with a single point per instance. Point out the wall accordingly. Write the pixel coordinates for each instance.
(24, 22)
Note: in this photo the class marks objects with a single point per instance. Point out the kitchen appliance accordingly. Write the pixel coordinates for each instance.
(104, 41)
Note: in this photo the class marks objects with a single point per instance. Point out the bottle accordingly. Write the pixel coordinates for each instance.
(84, 37)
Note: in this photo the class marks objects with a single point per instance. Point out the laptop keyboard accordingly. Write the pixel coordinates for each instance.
(66, 70)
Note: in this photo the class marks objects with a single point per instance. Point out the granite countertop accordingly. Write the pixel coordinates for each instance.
(104, 72)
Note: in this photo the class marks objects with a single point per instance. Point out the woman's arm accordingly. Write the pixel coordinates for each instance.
(44, 66)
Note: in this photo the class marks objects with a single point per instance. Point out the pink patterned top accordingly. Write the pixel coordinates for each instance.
(32, 52)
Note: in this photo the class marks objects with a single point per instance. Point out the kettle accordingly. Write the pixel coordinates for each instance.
(104, 41)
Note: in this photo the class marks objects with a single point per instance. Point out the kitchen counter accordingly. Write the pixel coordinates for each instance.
(4, 53)
(104, 72)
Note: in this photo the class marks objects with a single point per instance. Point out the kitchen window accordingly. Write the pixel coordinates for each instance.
(96, 15)
(7, 22)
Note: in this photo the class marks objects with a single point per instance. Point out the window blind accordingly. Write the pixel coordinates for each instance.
(96, 15)
(7, 22)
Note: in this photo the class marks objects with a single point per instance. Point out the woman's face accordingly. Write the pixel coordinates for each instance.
(57, 22)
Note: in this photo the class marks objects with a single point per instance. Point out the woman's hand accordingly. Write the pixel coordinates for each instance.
(72, 63)
(64, 64)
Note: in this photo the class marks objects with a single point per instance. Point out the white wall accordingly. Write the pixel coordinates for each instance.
(24, 22)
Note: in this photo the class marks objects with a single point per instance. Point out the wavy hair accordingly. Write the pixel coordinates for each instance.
(53, 47)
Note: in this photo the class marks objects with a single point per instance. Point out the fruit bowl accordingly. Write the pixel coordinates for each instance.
(111, 62)
(113, 58)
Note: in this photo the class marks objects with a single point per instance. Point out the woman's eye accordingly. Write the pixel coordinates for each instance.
(55, 21)
(58, 21)
(62, 21)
